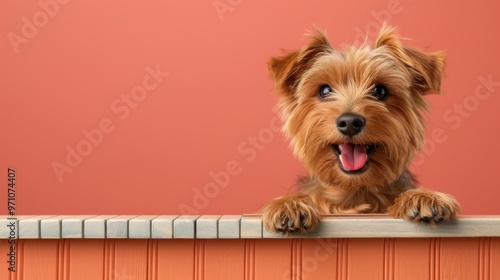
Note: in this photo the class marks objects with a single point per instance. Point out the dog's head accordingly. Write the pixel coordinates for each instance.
(354, 115)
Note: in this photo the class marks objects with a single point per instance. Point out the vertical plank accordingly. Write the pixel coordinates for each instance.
(86, 259)
(365, 259)
(4, 250)
(459, 258)
(319, 258)
(153, 259)
(176, 258)
(224, 259)
(131, 259)
(272, 259)
(40, 260)
(495, 258)
(412, 257)
(484, 258)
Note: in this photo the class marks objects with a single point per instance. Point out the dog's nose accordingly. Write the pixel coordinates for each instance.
(350, 124)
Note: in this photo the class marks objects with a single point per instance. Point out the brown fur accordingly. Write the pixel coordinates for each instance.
(395, 125)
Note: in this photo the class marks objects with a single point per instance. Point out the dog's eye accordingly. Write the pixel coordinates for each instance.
(324, 91)
(379, 91)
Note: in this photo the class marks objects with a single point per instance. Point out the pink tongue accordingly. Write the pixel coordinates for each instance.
(353, 156)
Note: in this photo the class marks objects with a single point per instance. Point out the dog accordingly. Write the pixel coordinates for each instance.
(355, 119)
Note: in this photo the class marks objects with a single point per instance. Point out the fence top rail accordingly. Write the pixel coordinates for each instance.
(234, 227)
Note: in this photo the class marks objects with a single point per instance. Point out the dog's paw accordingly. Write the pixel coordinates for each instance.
(424, 205)
(291, 213)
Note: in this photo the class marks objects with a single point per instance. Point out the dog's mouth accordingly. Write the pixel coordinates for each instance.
(353, 158)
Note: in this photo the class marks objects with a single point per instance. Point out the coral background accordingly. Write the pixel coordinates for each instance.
(68, 67)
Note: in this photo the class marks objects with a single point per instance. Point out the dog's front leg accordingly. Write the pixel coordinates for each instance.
(424, 205)
(291, 213)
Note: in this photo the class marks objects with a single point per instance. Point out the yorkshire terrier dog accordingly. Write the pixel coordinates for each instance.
(354, 117)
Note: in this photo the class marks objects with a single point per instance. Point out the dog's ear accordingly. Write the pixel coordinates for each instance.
(426, 68)
(287, 71)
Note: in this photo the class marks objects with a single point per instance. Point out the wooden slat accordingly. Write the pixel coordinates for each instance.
(140, 226)
(5, 222)
(413, 258)
(358, 258)
(130, 260)
(117, 227)
(163, 226)
(495, 258)
(233, 226)
(383, 226)
(459, 258)
(251, 227)
(73, 227)
(365, 259)
(95, 227)
(62, 227)
(40, 260)
(86, 259)
(176, 259)
(51, 227)
(185, 226)
(229, 226)
(319, 258)
(207, 226)
(224, 259)
(30, 227)
(265, 250)
(4, 251)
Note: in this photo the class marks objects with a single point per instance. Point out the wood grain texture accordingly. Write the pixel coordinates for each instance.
(377, 226)
(247, 226)
(185, 227)
(229, 226)
(224, 259)
(29, 227)
(255, 259)
(40, 260)
(412, 258)
(163, 226)
(494, 258)
(130, 260)
(4, 250)
(365, 259)
(140, 226)
(86, 260)
(271, 259)
(251, 227)
(117, 227)
(459, 258)
(318, 261)
(176, 259)
(207, 226)
(73, 226)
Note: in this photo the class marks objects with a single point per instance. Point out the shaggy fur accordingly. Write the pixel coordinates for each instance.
(394, 130)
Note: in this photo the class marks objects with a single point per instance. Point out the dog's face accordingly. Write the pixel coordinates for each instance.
(354, 115)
